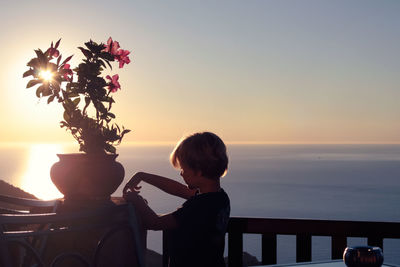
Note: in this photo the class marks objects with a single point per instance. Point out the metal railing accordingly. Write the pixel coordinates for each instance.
(303, 229)
(24, 236)
(29, 232)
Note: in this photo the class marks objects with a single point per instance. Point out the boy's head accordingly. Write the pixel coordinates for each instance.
(204, 152)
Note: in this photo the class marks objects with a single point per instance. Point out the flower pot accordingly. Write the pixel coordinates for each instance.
(87, 176)
(363, 256)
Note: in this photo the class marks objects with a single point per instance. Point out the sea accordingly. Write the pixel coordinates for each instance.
(330, 182)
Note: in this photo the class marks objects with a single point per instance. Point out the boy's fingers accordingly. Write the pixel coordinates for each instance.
(131, 184)
(126, 189)
(134, 178)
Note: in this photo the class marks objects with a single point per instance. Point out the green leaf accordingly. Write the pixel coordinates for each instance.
(50, 99)
(63, 124)
(34, 63)
(72, 94)
(102, 63)
(66, 60)
(66, 116)
(86, 52)
(109, 148)
(76, 101)
(57, 43)
(39, 90)
(100, 107)
(39, 54)
(109, 64)
(125, 132)
(70, 105)
(46, 91)
(32, 83)
(51, 67)
(56, 85)
(112, 115)
(28, 73)
(93, 46)
(42, 57)
(107, 56)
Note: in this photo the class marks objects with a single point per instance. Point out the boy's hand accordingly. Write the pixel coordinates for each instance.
(132, 185)
(134, 197)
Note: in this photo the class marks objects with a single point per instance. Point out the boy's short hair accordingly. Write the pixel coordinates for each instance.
(204, 152)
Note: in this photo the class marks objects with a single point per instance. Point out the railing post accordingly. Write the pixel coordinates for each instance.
(165, 255)
(303, 247)
(303, 229)
(268, 248)
(4, 253)
(235, 249)
(338, 245)
(375, 242)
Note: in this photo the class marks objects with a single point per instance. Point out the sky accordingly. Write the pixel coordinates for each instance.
(251, 71)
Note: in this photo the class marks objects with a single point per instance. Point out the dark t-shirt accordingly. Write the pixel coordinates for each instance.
(199, 239)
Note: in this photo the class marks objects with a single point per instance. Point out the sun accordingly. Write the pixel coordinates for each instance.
(46, 75)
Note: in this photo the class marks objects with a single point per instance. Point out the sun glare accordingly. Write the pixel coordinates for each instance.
(36, 179)
(46, 75)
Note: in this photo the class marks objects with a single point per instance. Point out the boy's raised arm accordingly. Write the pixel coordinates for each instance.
(165, 184)
(150, 219)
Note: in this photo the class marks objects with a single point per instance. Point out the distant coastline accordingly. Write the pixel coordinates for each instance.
(10, 190)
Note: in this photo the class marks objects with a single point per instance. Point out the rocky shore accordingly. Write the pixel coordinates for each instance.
(10, 190)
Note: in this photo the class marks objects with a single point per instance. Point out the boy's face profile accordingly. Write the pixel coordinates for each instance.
(190, 176)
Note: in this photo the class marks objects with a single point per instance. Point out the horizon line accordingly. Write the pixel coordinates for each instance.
(172, 143)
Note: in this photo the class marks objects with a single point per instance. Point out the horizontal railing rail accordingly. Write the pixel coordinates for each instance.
(28, 233)
(29, 202)
(303, 229)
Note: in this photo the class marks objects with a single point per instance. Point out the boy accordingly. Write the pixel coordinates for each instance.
(196, 231)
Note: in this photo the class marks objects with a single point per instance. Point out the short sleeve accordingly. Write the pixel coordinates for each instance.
(185, 213)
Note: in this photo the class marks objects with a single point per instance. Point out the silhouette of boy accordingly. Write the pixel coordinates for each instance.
(196, 230)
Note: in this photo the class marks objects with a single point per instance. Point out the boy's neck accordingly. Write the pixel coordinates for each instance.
(210, 186)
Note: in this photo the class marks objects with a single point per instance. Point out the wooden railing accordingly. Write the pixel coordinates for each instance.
(303, 229)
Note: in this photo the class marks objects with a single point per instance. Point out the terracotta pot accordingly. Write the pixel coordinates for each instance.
(87, 176)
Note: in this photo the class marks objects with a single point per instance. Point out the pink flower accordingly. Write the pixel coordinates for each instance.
(53, 52)
(67, 72)
(113, 85)
(111, 47)
(122, 57)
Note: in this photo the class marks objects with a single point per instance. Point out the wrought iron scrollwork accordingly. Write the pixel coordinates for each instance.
(30, 235)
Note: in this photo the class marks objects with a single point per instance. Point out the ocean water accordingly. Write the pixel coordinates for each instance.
(340, 182)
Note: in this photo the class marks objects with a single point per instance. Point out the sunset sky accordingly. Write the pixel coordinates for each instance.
(251, 71)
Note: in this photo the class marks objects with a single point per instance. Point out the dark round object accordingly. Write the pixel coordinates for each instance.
(363, 256)
(81, 176)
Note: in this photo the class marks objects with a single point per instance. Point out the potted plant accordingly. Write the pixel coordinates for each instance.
(87, 98)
